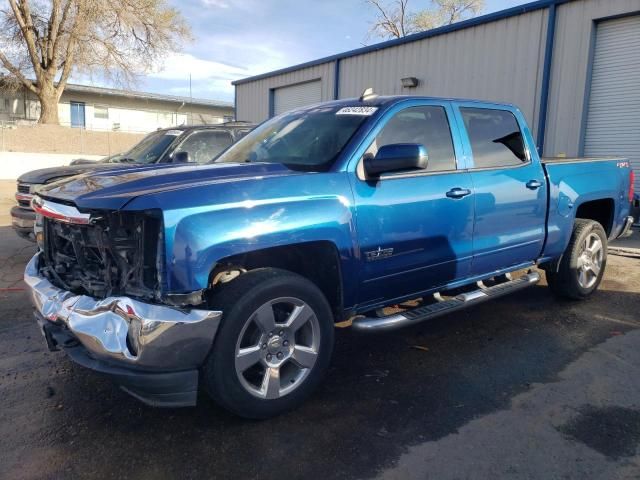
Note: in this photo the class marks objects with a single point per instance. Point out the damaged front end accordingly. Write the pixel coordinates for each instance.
(104, 254)
(96, 285)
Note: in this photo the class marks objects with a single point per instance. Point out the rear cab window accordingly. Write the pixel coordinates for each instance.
(495, 137)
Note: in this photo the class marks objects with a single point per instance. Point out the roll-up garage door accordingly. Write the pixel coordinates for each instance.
(613, 120)
(295, 96)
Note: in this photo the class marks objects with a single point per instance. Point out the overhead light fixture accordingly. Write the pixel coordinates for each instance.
(409, 82)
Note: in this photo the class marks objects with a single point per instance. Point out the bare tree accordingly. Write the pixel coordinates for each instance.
(43, 41)
(391, 19)
(394, 19)
(446, 12)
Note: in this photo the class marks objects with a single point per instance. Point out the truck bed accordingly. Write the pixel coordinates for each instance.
(597, 179)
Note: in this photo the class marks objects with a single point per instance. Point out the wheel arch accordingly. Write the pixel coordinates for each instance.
(601, 210)
(318, 261)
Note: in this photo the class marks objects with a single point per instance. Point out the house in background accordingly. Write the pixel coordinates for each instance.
(107, 109)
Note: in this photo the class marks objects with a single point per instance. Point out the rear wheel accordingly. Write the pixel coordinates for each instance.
(273, 346)
(581, 268)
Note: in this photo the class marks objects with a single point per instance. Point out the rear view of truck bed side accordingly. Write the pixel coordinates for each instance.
(590, 188)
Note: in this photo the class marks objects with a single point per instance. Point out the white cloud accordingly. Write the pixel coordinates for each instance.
(210, 75)
(178, 66)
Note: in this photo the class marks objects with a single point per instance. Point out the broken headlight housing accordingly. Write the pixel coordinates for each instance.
(114, 253)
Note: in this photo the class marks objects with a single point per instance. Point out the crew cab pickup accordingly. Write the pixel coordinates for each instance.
(193, 143)
(234, 274)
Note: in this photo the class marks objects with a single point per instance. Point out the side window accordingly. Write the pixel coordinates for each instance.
(428, 126)
(205, 145)
(496, 139)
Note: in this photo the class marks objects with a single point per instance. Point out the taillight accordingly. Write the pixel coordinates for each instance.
(632, 179)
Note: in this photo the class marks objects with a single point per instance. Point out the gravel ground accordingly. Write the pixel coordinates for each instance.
(523, 387)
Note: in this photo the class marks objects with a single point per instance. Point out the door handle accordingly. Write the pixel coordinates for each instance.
(533, 184)
(458, 192)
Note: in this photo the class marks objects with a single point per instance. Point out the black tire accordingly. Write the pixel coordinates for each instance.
(565, 280)
(239, 300)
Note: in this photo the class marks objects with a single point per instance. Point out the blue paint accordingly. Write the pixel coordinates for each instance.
(572, 185)
(509, 218)
(546, 77)
(430, 241)
(431, 235)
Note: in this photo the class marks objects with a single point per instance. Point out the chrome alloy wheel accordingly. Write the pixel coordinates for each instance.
(277, 348)
(590, 261)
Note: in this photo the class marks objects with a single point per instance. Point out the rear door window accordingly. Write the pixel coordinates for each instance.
(495, 137)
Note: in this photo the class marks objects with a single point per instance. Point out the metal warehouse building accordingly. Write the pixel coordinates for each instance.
(572, 66)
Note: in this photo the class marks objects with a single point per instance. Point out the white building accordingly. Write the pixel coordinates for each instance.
(96, 108)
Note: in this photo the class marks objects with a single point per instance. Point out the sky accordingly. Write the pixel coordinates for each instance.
(234, 39)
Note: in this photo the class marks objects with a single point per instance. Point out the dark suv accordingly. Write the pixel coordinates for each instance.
(194, 143)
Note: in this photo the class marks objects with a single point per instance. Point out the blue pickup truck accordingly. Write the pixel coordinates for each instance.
(381, 211)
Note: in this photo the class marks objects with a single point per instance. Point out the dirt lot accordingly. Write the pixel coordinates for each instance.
(524, 387)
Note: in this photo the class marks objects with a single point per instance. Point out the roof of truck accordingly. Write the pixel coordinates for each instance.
(384, 100)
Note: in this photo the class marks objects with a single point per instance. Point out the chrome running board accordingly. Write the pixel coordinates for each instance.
(427, 312)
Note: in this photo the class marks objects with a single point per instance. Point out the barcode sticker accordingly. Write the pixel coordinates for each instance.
(365, 111)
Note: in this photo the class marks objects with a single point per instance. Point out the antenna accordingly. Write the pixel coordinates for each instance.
(368, 94)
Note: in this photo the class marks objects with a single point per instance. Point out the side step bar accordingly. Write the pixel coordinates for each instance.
(427, 312)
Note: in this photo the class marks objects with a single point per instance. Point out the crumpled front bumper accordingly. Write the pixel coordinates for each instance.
(123, 333)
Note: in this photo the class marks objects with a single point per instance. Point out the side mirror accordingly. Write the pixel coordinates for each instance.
(181, 157)
(396, 157)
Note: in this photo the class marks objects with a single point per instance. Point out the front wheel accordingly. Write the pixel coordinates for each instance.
(273, 346)
(581, 268)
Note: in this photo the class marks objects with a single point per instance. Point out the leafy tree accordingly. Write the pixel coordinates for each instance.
(43, 41)
(394, 19)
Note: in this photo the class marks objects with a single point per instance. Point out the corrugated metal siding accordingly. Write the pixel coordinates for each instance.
(498, 61)
(613, 122)
(253, 97)
(294, 96)
(574, 29)
(501, 61)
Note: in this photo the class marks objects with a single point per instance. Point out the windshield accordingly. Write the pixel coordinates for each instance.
(150, 148)
(308, 139)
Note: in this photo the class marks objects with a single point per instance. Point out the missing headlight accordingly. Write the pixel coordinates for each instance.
(116, 254)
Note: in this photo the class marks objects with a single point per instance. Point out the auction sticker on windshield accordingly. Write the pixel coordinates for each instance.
(174, 133)
(366, 111)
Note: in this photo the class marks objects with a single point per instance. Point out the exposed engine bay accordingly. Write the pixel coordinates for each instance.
(117, 253)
